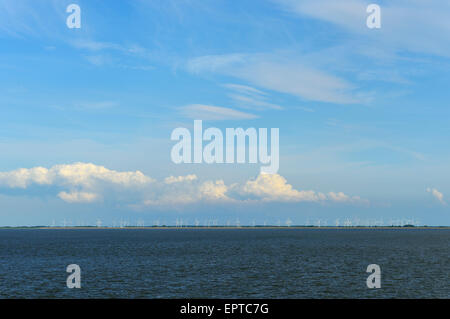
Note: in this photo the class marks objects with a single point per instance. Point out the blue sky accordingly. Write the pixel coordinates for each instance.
(86, 114)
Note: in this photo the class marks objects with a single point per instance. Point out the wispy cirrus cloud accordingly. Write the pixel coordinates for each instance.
(251, 102)
(211, 112)
(281, 73)
(245, 89)
(214, 63)
(250, 98)
(101, 53)
(416, 26)
(97, 105)
(91, 45)
(46, 20)
(35, 18)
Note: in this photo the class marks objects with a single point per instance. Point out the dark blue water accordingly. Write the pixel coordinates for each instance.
(241, 263)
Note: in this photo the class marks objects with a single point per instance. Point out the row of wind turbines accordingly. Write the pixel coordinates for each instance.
(180, 223)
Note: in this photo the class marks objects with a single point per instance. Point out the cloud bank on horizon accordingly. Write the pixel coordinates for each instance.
(88, 183)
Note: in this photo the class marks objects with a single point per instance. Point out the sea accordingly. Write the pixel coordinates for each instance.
(225, 263)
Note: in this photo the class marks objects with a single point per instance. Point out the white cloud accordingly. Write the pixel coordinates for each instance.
(250, 98)
(299, 80)
(87, 175)
(36, 18)
(78, 197)
(210, 112)
(100, 105)
(253, 103)
(94, 45)
(183, 190)
(350, 13)
(415, 26)
(274, 187)
(282, 73)
(437, 194)
(214, 63)
(214, 190)
(340, 197)
(83, 180)
(99, 59)
(23, 177)
(88, 183)
(179, 179)
(244, 89)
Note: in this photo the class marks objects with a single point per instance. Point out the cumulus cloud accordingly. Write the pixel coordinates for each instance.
(88, 183)
(340, 197)
(83, 180)
(274, 187)
(182, 190)
(437, 194)
(21, 178)
(214, 190)
(78, 174)
(179, 179)
(78, 197)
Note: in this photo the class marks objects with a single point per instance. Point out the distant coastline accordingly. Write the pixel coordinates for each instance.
(406, 227)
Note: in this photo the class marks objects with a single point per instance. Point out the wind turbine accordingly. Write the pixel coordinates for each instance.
(347, 223)
(288, 222)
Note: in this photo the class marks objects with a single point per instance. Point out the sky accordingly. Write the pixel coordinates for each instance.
(86, 114)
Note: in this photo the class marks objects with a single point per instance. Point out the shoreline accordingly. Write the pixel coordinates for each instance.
(230, 227)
